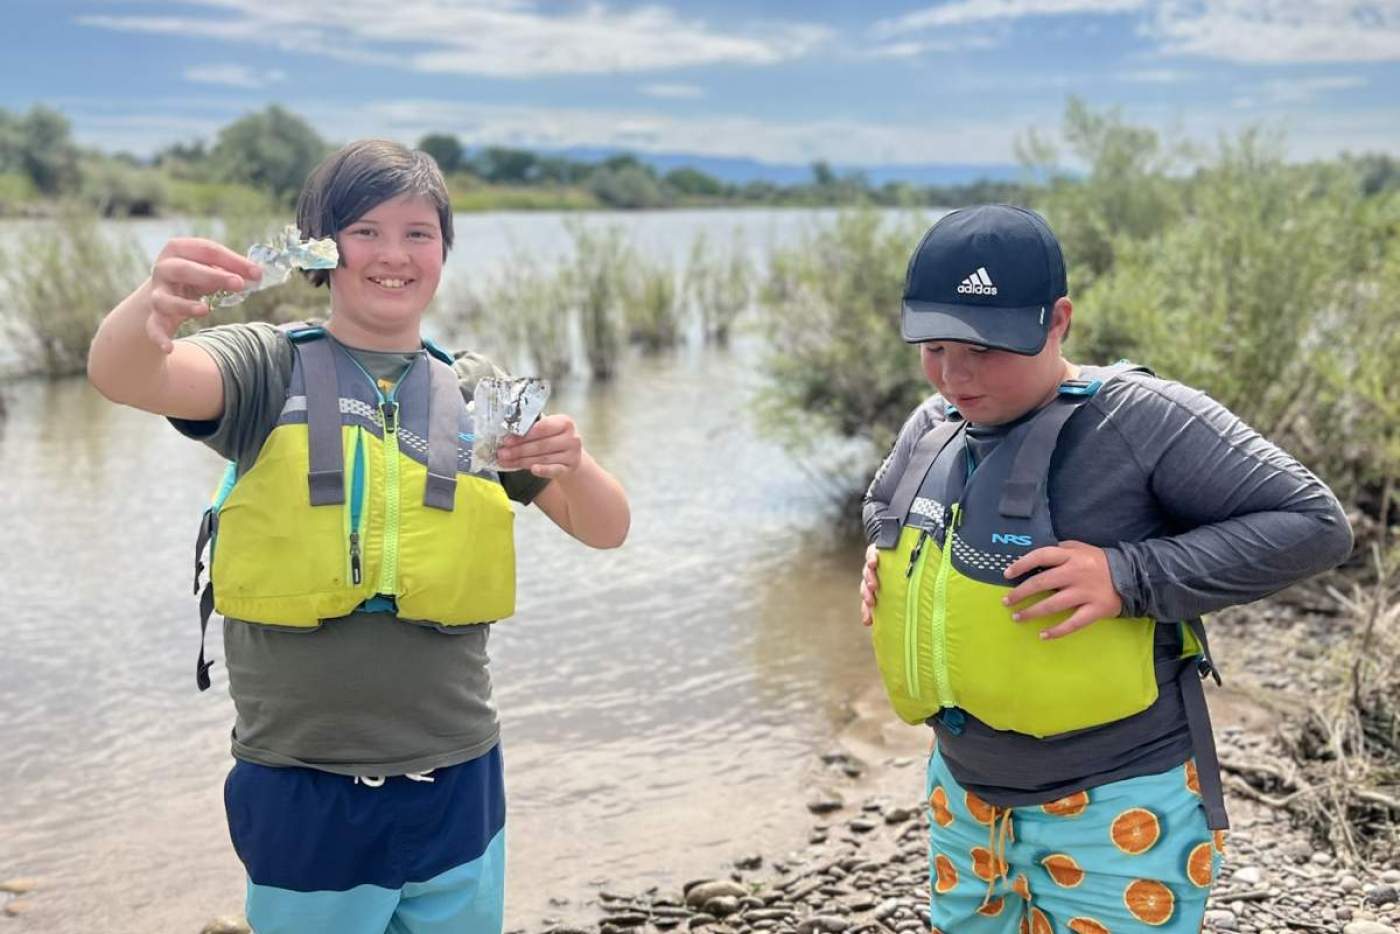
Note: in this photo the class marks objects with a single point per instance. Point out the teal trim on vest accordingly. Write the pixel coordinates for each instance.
(310, 332)
(437, 351)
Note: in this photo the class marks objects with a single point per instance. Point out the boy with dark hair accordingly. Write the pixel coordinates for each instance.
(360, 556)
(1045, 538)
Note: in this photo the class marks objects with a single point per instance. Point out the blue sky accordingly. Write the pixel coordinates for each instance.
(866, 83)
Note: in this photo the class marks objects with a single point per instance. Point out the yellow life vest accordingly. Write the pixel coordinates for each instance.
(943, 640)
(360, 494)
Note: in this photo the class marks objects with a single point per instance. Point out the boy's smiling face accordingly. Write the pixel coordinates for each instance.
(391, 263)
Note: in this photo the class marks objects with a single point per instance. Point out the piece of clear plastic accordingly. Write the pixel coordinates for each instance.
(502, 407)
(277, 258)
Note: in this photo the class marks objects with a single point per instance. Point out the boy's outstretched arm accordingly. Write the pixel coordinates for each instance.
(134, 358)
(584, 499)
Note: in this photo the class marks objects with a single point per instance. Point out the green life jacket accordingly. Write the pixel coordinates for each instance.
(945, 643)
(360, 498)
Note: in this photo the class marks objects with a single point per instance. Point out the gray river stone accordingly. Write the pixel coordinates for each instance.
(1368, 927)
(701, 893)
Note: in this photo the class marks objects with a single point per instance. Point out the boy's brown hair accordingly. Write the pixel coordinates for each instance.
(351, 181)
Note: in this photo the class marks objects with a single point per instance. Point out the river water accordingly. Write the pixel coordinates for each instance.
(662, 705)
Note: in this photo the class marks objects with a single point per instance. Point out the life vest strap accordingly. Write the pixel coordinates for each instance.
(1193, 700)
(206, 609)
(925, 453)
(1031, 469)
(444, 406)
(326, 478)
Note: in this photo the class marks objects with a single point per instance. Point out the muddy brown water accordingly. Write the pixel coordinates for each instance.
(662, 706)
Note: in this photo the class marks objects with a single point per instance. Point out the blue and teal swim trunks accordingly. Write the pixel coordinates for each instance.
(1126, 857)
(409, 854)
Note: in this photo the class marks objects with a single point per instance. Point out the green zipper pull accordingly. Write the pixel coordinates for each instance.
(914, 555)
(355, 575)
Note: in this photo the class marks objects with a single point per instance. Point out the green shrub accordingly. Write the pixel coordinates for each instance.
(57, 281)
(16, 190)
(213, 199)
(1265, 294)
(836, 363)
(116, 189)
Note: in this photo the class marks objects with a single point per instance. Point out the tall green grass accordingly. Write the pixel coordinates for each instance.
(595, 283)
(720, 285)
(521, 316)
(57, 281)
(652, 304)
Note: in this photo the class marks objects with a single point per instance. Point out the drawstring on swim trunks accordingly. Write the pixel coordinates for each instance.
(999, 835)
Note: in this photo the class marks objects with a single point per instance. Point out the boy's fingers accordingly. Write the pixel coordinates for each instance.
(158, 336)
(203, 279)
(1049, 556)
(1036, 583)
(214, 254)
(1083, 617)
(1055, 603)
(176, 309)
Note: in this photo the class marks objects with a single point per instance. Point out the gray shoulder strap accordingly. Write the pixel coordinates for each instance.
(925, 453)
(1030, 470)
(444, 408)
(327, 473)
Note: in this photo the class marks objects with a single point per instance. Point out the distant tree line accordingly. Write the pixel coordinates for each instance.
(259, 161)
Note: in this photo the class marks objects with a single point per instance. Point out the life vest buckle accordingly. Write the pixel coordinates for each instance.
(1080, 387)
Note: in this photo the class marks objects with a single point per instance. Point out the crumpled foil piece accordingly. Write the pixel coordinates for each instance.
(502, 407)
(286, 251)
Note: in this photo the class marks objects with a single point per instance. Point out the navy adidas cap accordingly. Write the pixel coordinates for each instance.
(985, 275)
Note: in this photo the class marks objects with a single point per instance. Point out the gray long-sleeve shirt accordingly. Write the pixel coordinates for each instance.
(1195, 512)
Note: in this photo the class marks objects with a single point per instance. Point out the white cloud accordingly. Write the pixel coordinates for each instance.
(673, 91)
(961, 12)
(499, 38)
(916, 48)
(1279, 31)
(1157, 76)
(234, 76)
(1294, 91)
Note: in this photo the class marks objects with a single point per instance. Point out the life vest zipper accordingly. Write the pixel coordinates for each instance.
(939, 627)
(389, 569)
(357, 503)
(389, 411)
(915, 574)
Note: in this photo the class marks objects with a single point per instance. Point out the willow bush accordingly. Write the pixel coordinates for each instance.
(830, 312)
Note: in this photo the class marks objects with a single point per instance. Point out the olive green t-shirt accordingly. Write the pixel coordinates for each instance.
(365, 694)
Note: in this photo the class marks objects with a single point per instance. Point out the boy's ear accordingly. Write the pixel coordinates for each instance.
(1060, 317)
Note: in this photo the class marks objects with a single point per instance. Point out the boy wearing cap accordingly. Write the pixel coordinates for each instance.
(1045, 538)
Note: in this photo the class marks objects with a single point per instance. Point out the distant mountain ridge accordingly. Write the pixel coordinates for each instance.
(740, 170)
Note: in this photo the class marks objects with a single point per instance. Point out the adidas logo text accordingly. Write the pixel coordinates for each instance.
(979, 283)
